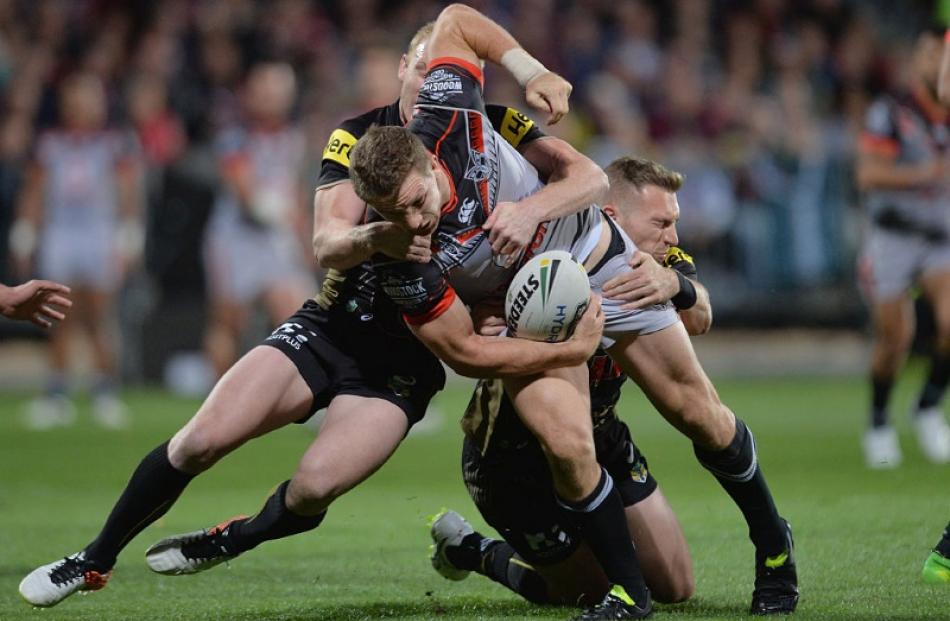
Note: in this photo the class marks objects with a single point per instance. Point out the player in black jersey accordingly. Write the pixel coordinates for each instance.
(346, 349)
(543, 557)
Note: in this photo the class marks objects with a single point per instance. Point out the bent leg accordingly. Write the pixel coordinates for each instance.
(661, 545)
(260, 393)
(358, 435)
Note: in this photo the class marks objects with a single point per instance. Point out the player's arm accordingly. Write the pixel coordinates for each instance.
(24, 233)
(131, 233)
(340, 241)
(463, 33)
(38, 301)
(574, 182)
(451, 337)
(943, 82)
(878, 170)
(648, 283)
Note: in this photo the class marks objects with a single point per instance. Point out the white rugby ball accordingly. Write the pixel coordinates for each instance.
(546, 297)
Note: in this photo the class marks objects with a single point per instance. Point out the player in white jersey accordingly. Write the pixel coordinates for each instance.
(904, 172)
(80, 213)
(253, 248)
(422, 178)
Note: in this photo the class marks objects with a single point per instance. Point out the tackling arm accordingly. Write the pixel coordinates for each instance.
(452, 338)
(882, 172)
(943, 82)
(573, 180)
(341, 242)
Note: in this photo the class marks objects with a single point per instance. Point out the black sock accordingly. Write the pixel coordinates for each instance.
(943, 548)
(502, 564)
(737, 469)
(274, 521)
(604, 527)
(153, 489)
(937, 380)
(880, 395)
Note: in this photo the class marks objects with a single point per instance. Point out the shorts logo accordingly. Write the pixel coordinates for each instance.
(546, 543)
(290, 333)
(406, 292)
(401, 385)
(638, 469)
(441, 84)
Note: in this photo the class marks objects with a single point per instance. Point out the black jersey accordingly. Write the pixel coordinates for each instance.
(355, 289)
(452, 122)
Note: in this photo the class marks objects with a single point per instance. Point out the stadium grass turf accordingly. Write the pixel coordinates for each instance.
(861, 536)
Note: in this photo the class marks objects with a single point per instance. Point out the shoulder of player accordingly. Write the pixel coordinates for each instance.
(345, 135)
(513, 125)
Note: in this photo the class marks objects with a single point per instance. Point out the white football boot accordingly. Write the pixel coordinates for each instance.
(933, 434)
(50, 584)
(110, 412)
(192, 552)
(882, 451)
(448, 528)
(49, 411)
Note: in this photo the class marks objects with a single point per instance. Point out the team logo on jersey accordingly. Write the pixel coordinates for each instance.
(401, 385)
(339, 146)
(467, 210)
(453, 250)
(441, 84)
(479, 167)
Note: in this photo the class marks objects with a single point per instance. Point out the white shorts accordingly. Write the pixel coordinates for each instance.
(617, 321)
(79, 258)
(243, 261)
(897, 260)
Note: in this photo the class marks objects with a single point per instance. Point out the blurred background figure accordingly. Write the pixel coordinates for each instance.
(257, 245)
(79, 224)
(904, 170)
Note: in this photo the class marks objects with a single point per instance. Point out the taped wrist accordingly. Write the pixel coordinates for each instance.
(686, 298)
(522, 65)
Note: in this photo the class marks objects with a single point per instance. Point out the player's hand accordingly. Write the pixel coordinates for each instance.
(38, 301)
(510, 228)
(589, 329)
(489, 318)
(396, 242)
(549, 93)
(645, 284)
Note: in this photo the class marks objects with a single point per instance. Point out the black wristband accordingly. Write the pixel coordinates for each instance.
(686, 298)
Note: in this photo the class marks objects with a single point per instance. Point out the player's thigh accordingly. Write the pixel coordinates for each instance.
(261, 392)
(358, 435)
(555, 407)
(661, 547)
(936, 287)
(664, 365)
(893, 320)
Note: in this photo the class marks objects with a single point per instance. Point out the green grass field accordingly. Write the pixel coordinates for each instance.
(861, 536)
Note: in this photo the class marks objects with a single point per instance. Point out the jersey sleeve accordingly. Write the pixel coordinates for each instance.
(680, 261)
(879, 136)
(513, 125)
(335, 165)
(420, 291)
(452, 90)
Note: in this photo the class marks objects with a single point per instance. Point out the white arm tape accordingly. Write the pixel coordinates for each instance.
(522, 65)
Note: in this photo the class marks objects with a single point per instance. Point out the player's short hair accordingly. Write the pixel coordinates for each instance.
(381, 161)
(421, 35)
(640, 173)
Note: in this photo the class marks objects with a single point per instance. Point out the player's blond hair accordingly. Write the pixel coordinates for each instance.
(640, 173)
(381, 161)
(421, 35)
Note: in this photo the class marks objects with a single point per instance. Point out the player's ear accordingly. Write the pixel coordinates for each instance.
(433, 162)
(610, 210)
(403, 67)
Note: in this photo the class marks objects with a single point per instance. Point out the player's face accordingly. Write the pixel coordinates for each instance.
(417, 204)
(412, 72)
(650, 219)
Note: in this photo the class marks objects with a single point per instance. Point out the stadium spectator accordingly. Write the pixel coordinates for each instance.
(79, 219)
(905, 173)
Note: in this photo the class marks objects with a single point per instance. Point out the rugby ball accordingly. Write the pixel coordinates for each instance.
(546, 297)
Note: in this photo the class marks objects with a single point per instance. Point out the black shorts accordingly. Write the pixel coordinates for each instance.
(348, 354)
(513, 491)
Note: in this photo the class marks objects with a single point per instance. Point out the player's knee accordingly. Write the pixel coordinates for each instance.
(702, 416)
(311, 491)
(677, 588)
(570, 447)
(197, 447)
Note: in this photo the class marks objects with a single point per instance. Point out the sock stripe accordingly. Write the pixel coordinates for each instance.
(742, 477)
(607, 486)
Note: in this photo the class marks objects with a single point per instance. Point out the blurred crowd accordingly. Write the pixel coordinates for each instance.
(758, 102)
